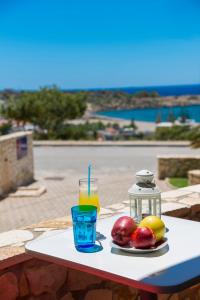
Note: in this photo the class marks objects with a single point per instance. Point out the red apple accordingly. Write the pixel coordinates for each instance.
(122, 230)
(143, 237)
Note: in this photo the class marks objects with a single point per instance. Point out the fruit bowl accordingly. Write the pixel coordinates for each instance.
(131, 249)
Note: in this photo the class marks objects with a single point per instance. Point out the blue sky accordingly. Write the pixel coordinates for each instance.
(107, 43)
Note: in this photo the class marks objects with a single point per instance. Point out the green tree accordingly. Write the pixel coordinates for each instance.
(133, 125)
(14, 109)
(141, 94)
(154, 94)
(184, 115)
(5, 128)
(195, 137)
(159, 118)
(48, 108)
(174, 133)
(171, 117)
(116, 126)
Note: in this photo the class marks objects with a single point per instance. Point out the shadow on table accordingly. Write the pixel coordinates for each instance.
(100, 236)
(177, 277)
(146, 255)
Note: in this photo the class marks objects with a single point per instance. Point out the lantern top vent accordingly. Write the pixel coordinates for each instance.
(144, 176)
(144, 185)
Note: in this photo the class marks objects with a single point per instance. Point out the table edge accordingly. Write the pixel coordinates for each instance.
(113, 277)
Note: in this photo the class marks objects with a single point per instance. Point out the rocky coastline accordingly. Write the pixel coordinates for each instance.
(105, 101)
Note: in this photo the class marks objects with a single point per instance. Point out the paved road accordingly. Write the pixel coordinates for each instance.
(114, 166)
(104, 159)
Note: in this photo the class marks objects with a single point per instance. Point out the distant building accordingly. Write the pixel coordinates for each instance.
(3, 121)
(109, 134)
(178, 122)
(128, 132)
(187, 122)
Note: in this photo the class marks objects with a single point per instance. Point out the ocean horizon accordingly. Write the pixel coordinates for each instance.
(168, 90)
(163, 90)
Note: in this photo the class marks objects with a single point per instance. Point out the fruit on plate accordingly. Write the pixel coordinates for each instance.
(143, 237)
(122, 230)
(156, 224)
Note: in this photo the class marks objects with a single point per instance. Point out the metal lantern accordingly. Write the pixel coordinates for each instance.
(145, 196)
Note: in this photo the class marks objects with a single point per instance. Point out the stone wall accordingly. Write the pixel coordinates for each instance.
(194, 177)
(16, 161)
(177, 165)
(38, 280)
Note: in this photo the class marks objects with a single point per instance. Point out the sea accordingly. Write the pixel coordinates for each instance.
(166, 90)
(151, 114)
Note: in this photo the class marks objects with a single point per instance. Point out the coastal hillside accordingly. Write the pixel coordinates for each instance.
(110, 100)
(105, 100)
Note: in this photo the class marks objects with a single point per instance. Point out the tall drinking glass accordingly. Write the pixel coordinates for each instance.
(91, 198)
(84, 226)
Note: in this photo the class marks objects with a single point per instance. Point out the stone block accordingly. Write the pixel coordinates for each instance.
(176, 210)
(195, 215)
(126, 202)
(177, 165)
(105, 211)
(44, 296)
(121, 292)
(28, 192)
(124, 210)
(191, 201)
(15, 236)
(99, 294)
(176, 195)
(15, 172)
(23, 286)
(169, 297)
(79, 280)
(125, 293)
(7, 252)
(47, 278)
(193, 188)
(117, 206)
(196, 210)
(8, 286)
(192, 293)
(194, 177)
(60, 223)
(172, 206)
(68, 296)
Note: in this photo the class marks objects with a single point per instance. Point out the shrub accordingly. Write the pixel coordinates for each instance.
(5, 128)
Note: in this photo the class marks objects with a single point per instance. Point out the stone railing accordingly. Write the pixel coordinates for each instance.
(25, 278)
(16, 161)
(177, 165)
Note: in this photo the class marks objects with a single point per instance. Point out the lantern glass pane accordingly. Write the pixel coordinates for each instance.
(141, 208)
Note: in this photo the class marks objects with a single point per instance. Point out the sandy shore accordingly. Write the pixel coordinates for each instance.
(142, 126)
(145, 126)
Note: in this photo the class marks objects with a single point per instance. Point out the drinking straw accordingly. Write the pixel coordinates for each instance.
(89, 175)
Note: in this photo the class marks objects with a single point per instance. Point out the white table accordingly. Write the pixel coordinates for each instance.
(167, 271)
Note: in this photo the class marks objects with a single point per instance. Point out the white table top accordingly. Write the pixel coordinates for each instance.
(169, 270)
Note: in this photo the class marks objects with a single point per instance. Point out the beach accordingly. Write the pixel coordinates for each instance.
(141, 125)
(92, 118)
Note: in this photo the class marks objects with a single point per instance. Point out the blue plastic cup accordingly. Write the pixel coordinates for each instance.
(84, 226)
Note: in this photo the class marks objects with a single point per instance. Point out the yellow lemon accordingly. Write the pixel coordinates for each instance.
(156, 224)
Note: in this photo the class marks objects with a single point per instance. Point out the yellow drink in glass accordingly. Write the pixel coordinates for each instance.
(93, 198)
